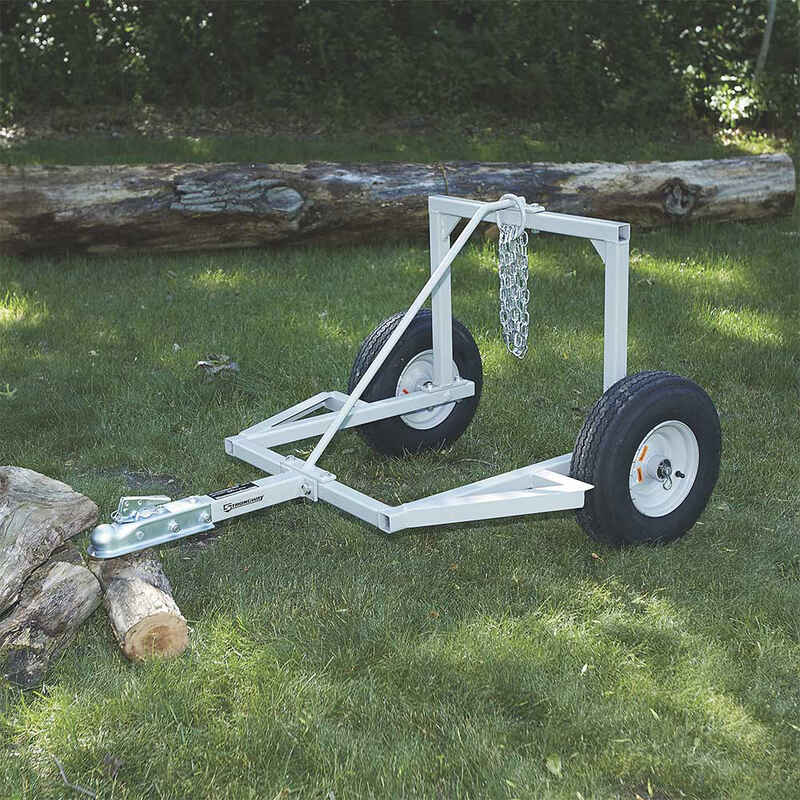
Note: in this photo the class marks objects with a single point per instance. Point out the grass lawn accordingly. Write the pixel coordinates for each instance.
(466, 139)
(509, 659)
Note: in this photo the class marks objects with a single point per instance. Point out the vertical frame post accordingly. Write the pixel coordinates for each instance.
(441, 302)
(615, 320)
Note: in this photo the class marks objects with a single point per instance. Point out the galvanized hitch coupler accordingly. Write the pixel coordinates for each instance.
(643, 467)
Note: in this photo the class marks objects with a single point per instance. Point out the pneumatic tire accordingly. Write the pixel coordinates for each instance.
(651, 448)
(407, 368)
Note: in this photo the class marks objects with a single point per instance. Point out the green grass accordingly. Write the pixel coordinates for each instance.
(459, 142)
(329, 660)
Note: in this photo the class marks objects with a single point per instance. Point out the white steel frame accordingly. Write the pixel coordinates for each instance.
(540, 487)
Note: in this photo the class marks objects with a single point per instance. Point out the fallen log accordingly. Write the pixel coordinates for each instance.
(189, 206)
(37, 515)
(54, 602)
(145, 619)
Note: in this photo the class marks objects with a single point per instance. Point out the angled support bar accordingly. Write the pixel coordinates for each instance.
(545, 486)
(480, 212)
(293, 425)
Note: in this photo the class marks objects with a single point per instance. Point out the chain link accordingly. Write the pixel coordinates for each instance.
(512, 267)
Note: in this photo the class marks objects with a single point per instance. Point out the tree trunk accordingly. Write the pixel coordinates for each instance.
(37, 515)
(190, 206)
(762, 53)
(145, 619)
(55, 601)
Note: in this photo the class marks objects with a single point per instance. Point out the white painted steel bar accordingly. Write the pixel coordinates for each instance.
(362, 414)
(441, 304)
(480, 212)
(263, 458)
(531, 476)
(356, 503)
(547, 221)
(292, 413)
(266, 492)
(484, 506)
(559, 464)
(615, 316)
(338, 494)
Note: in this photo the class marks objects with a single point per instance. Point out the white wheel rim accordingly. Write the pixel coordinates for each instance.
(664, 468)
(417, 377)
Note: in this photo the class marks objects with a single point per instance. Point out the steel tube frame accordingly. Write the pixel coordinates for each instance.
(437, 275)
(545, 486)
(610, 239)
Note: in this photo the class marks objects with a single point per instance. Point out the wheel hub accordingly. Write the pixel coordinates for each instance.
(417, 376)
(664, 468)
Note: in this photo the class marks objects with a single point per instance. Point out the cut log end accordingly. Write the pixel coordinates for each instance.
(161, 635)
(144, 617)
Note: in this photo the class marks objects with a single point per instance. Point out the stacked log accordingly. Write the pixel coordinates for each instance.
(37, 515)
(55, 601)
(171, 207)
(47, 592)
(45, 584)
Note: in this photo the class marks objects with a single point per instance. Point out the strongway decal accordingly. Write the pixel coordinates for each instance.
(230, 506)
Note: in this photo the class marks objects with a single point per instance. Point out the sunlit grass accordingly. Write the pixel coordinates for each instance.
(445, 142)
(453, 662)
(16, 309)
(747, 324)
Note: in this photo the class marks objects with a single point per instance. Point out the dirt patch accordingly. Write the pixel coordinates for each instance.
(147, 120)
(142, 482)
(198, 544)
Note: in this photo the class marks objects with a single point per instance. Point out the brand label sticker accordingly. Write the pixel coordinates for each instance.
(228, 507)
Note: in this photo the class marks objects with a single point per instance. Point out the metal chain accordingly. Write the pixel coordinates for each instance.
(512, 267)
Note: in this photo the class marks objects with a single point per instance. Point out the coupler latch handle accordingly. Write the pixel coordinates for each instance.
(131, 509)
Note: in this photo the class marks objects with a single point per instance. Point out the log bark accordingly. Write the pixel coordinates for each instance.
(145, 619)
(189, 206)
(54, 602)
(37, 515)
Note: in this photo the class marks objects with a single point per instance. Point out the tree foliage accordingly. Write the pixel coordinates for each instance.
(641, 62)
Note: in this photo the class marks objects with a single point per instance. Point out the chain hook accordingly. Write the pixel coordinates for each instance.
(521, 204)
(512, 268)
